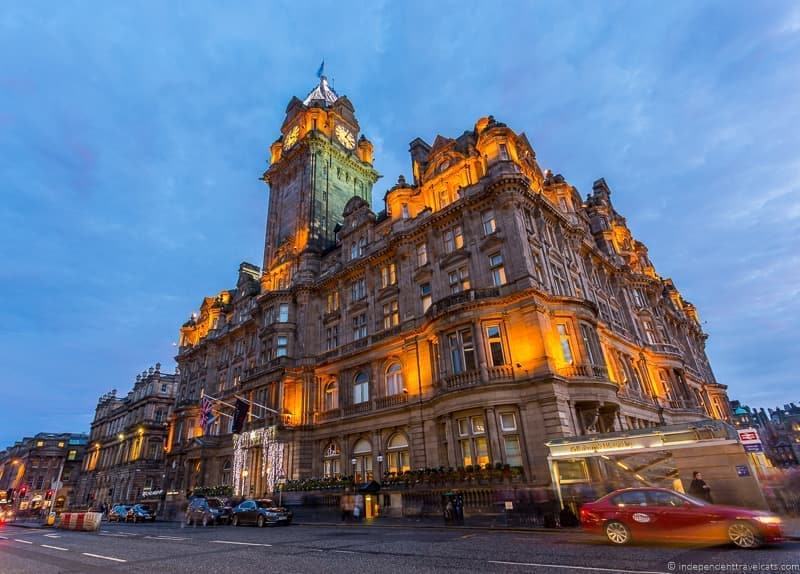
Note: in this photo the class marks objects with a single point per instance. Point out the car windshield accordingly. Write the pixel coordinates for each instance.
(265, 504)
(214, 503)
(140, 508)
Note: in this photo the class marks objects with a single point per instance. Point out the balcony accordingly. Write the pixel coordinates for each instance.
(664, 349)
(391, 401)
(461, 380)
(357, 408)
(503, 373)
(684, 405)
(584, 372)
(330, 415)
(636, 396)
(463, 297)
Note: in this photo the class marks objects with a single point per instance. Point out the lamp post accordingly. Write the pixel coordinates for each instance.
(380, 466)
(353, 461)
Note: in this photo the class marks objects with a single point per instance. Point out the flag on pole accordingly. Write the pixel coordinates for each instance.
(206, 414)
(242, 407)
(321, 71)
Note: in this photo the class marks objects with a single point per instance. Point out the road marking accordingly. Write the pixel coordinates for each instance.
(3, 537)
(239, 543)
(165, 538)
(116, 535)
(343, 551)
(53, 547)
(103, 557)
(52, 536)
(566, 566)
(23, 541)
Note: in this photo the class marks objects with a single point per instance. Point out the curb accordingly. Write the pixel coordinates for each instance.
(27, 525)
(436, 527)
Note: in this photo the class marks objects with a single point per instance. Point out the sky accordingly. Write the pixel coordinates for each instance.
(133, 136)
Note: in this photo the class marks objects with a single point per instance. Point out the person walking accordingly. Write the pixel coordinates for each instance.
(698, 488)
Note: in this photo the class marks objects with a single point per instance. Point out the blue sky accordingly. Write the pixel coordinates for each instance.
(132, 138)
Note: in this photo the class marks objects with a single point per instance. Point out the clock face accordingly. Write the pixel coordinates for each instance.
(291, 137)
(345, 137)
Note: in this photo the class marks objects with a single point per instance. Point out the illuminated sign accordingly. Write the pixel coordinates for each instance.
(749, 436)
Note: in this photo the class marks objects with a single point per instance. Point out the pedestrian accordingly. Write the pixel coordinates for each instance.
(698, 488)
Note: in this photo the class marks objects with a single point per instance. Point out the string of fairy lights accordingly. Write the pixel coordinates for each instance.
(272, 457)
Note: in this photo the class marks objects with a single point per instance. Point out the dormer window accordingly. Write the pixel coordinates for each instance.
(503, 151)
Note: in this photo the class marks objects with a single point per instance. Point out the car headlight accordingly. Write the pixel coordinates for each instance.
(769, 519)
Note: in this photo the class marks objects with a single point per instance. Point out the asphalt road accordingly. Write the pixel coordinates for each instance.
(353, 549)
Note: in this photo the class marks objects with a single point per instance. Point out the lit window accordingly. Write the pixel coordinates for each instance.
(388, 275)
(459, 279)
(397, 456)
(425, 296)
(61, 444)
(332, 303)
(497, 269)
(361, 388)
(478, 425)
(489, 223)
(72, 455)
(566, 345)
(495, 340)
(391, 315)
(394, 380)
(453, 239)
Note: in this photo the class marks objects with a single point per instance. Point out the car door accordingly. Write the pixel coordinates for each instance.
(679, 518)
(248, 514)
(635, 512)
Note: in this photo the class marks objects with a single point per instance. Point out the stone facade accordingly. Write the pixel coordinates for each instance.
(33, 464)
(486, 309)
(126, 452)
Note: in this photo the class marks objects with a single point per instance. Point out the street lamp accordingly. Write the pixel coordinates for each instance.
(380, 466)
(353, 461)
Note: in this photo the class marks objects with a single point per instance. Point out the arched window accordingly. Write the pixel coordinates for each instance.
(226, 473)
(361, 388)
(331, 396)
(331, 460)
(362, 461)
(394, 380)
(397, 454)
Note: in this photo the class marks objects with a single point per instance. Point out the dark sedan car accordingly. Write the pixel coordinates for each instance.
(205, 511)
(261, 512)
(662, 514)
(141, 513)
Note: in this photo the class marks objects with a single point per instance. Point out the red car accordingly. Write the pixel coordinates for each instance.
(662, 514)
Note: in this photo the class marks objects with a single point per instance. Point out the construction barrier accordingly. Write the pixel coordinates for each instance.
(88, 521)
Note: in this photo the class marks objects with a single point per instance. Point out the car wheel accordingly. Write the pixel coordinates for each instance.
(744, 535)
(235, 521)
(617, 533)
(260, 522)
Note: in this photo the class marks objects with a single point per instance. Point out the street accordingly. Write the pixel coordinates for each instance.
(169, 547)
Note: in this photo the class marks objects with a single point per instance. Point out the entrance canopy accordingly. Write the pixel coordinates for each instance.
(586, 467)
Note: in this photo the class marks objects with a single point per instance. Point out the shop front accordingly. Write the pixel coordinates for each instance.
(587, 467)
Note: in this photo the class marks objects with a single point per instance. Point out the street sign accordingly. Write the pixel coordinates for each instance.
(749, 436)
(742, 470)
(754, 447)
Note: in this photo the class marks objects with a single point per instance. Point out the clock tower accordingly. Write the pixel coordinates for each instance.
(317, 165)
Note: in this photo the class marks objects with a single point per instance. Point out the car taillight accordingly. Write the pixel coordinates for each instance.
(587, 515)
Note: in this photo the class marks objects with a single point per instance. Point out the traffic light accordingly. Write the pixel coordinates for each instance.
(23, 491)
(49, 494)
